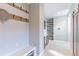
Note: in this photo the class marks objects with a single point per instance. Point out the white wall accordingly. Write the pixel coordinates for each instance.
(36, 27)
(62, 23)
(14, 35)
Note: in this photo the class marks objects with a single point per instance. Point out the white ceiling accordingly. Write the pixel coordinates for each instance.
(56, 9)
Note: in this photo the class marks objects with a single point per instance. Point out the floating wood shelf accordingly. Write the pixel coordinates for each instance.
(18, 18)
(20, 8)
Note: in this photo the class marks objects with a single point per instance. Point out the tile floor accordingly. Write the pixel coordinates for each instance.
(57, 48)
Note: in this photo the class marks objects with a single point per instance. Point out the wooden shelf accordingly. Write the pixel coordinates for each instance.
(18, 18)
(20, 8)
(15, 17)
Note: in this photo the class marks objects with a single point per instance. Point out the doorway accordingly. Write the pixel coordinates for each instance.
(58, 41)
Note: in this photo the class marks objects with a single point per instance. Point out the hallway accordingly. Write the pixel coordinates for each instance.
(58, 30)
(39, 29)
(57, 48)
